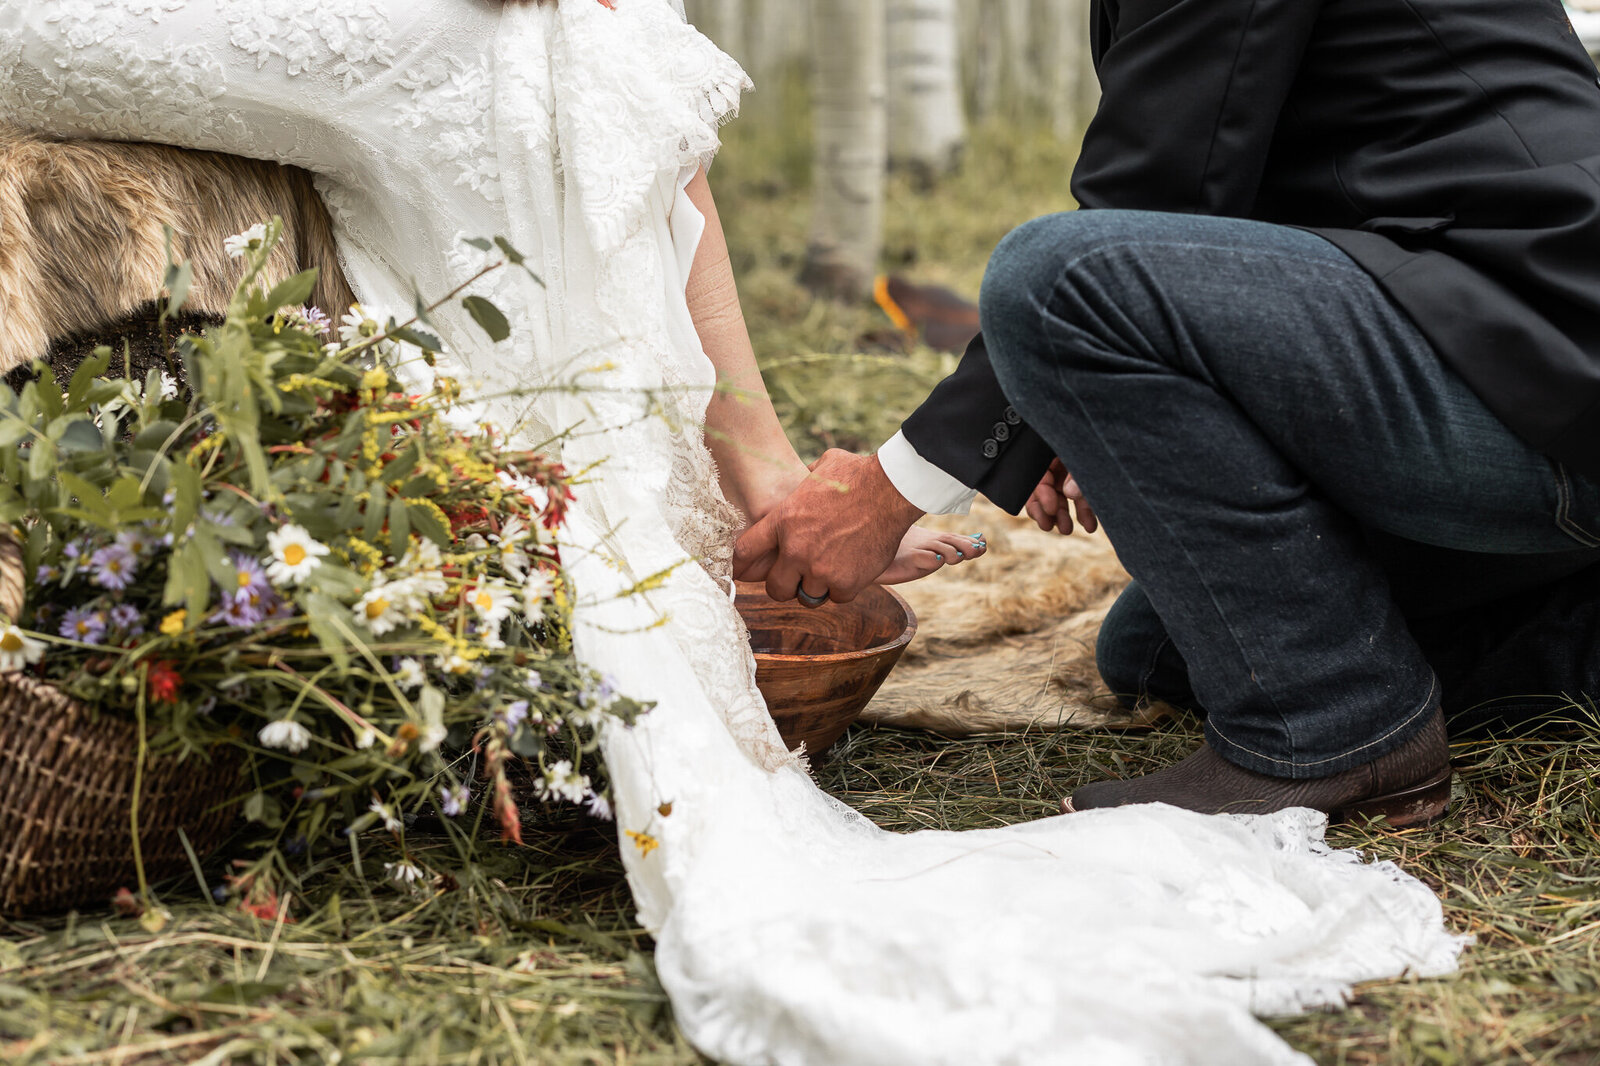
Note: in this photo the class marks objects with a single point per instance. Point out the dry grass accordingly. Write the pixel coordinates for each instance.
(534, 958)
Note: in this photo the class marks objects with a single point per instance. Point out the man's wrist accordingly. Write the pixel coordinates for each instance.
(901, 510)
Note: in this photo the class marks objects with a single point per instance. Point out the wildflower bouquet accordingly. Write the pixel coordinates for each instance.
(352, 584)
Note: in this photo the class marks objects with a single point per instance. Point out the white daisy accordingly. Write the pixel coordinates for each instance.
(410, 675)
(600, 807)
(385, 815)
(432, 737)
(405, 873)
(537, 589)
(248, 241)
(493, 601)
(378, 611)
(561, 781)
(17, 650)
(295, 553)
(290, 736)
(512, 557)
(355, 326)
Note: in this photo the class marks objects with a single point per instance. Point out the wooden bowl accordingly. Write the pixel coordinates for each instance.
(818, 667)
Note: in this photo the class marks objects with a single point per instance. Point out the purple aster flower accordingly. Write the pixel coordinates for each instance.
(126, 617)
(316, 319)
(250, 579)
(140, 542)
(238, 611)
(515, 715)
(72, 549)
(46, 574)
(114, 566)
(85, 624)
(453, 799)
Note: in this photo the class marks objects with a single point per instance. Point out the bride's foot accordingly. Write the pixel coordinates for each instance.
(922, 551)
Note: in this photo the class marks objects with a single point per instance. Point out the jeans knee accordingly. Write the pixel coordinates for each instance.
(1058, 276)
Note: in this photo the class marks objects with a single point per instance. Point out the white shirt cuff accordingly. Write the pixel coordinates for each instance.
(922, 484)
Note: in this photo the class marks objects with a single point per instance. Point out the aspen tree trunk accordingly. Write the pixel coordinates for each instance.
(927, 123)
(777, 34)
(723, 21)
(1063, 36)
(850, 103)
(984, 46)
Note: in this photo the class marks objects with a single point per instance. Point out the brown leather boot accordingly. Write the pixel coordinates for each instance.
(1409, 785)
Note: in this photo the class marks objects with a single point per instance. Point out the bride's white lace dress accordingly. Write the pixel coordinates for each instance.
(789, 929)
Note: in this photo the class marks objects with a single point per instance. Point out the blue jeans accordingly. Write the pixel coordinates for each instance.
(1263, 434)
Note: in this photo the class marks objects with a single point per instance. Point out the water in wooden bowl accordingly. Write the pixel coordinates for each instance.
(818, 667)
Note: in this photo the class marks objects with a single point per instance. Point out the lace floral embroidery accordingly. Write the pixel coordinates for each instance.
(452, 99)
(304, 32)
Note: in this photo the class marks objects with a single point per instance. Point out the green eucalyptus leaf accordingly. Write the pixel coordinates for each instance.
(425, 521)
(322, 611)
(154, 437)
(421, 338)
(510, 253)
(291, 292)
(480, 243)
(186, 495)
(489, 317)
(399, 527)
(89, 498)
(81, 435)
(83, 378)
(41, 461)
(178, 282)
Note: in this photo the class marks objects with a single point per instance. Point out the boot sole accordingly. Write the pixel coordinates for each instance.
(1420, 805)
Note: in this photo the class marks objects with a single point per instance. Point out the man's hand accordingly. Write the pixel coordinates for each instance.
(833, 535)
(1048, 504)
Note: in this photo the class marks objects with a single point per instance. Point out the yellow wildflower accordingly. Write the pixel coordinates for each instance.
(173, 623)
(644, 841)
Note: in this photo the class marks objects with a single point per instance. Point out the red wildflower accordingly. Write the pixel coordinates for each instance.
(127, 904)
(164, 681)
(464, 516)
(265, 907)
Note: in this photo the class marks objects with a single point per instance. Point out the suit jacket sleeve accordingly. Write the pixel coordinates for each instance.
(1191, 91)
(967, 429)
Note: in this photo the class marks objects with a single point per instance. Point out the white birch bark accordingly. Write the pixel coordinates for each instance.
(724, 22)
(1063, 35)
(927, 123)
(777, 35)
(849, 63)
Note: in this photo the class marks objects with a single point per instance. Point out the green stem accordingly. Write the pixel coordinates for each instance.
(138, 782)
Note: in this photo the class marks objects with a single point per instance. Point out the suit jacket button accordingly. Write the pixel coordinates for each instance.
(1012, 417)
(991, 448)
(1001, 431)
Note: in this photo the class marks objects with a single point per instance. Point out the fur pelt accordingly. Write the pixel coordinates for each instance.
(1006, 642)
(81, 239)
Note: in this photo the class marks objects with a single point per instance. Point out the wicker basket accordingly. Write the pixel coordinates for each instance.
(66, 793)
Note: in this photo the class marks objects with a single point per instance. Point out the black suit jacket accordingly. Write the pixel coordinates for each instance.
(1450, 147)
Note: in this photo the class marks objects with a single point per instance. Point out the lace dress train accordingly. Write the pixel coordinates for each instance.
(789, 928)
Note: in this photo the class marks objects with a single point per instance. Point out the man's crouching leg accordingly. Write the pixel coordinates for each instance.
(1177, 364)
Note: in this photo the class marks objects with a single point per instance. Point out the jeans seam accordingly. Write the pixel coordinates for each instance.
(1427, 703)
(1150, 668)
(1564, 520)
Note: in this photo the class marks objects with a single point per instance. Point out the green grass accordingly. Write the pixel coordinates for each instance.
(538, 960)
(534, 956)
